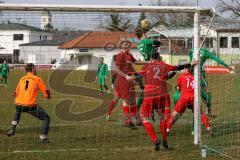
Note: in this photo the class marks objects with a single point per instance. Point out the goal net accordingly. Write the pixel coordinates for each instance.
(66, 43)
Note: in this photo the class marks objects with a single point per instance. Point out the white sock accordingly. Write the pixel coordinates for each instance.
(43, 137)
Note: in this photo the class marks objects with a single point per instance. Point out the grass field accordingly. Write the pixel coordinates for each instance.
(100, 139)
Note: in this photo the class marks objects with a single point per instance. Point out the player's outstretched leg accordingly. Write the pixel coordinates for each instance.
(111, 107)
(173, 118)
(15, 121)
(40, 114)
(128, 118)
(151, 132)
(134, 113)
(206, 123)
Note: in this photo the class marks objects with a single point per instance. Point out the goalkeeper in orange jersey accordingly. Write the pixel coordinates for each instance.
(25, 101)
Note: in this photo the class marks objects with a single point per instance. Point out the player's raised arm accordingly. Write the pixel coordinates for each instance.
(42, 87)
(216, 59)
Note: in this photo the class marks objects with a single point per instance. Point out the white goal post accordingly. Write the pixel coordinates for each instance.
(196, 11)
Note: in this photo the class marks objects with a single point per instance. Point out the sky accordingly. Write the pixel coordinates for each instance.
(203, 3)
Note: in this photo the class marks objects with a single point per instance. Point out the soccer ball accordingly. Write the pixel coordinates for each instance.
(145, 24)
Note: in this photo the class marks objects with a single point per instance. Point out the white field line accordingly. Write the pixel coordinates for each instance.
(77, 149)
(96, 123)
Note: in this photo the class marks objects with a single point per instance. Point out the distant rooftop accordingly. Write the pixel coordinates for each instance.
(18, 26)
(100, 40)
(64, 36)
(44, 43)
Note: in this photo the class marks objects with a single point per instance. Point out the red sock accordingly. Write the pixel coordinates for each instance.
(167, 113)
(150, 130)
(127, 114)
(125, 110)
(163, 130)
(205, 121)
(111, 107)
(170, 122)
(134, 112)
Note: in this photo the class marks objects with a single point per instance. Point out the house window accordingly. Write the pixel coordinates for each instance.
(18, 37)
(40, 37)
(83, 50)
(235, 42)
(182, 61)
(235, 61)
(181, 43)
(189, 43)
(209, 42)
(223, 42)
(84, 59)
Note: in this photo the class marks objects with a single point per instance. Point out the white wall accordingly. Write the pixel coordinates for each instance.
(97, 52)
(229, 50)
(39, 54)
(9, 45)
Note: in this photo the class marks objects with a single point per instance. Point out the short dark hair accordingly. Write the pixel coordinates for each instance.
(155, 55)
(114, 57)
(29, 67)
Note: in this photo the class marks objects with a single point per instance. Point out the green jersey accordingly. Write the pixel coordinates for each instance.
(102, 73)
(146, 47)
(205, 54)
(4, 69)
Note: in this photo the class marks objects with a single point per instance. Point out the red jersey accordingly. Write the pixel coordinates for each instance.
(124, 62)
(186, 83)
(156, 74)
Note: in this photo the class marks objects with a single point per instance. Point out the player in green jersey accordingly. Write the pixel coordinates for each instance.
(205, 55)
(4, 73)
(102, 75)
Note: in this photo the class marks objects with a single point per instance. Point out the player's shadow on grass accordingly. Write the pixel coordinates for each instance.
(62, 109)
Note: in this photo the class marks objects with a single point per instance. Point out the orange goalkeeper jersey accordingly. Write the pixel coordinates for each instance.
(27, 90)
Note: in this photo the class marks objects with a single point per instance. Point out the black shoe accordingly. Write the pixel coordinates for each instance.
(10, 133)
(44, 141)
(165, 144)
(131, 126)
(157, 145)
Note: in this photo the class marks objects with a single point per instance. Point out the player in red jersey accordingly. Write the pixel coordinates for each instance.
(125, 86)
(156, 96)
(186, 100)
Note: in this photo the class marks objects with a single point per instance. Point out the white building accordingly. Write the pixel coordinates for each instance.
(46, 19)
(222, 38)
(40, 52)
(13, 35)
(85, 50)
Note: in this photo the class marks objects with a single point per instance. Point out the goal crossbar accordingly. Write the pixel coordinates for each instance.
(101, 8)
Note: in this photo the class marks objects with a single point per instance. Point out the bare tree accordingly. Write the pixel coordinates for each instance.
(118, 22)
(229, 6)
(172, 19)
